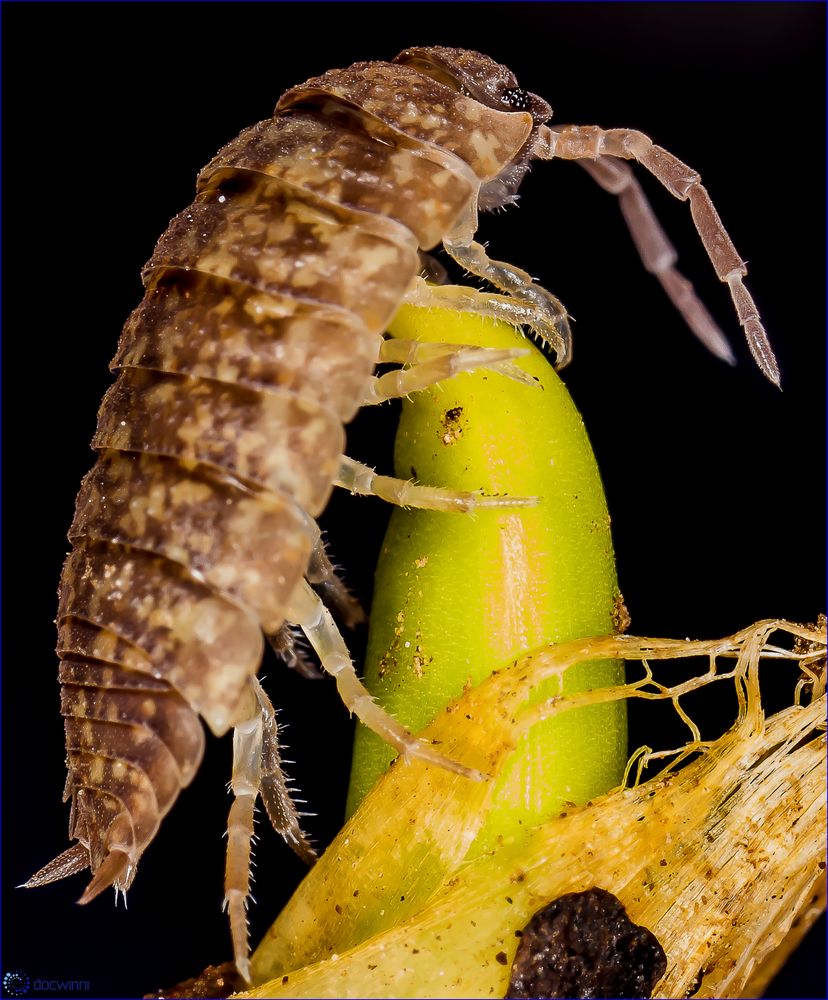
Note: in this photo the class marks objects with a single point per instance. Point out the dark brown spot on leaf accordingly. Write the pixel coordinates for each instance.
(583, 944)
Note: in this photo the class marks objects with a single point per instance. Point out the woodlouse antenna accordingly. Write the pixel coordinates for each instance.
(596, 149)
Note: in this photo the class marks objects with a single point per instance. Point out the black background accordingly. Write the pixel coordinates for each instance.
(714, 478)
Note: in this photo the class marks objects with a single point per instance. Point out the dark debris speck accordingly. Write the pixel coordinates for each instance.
(216, 981)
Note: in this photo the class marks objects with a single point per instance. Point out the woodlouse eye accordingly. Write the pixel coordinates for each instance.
(517, 98)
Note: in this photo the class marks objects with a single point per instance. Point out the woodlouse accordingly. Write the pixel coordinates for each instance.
(221, 439)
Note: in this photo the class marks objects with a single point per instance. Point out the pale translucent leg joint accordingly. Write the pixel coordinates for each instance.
(435, 363)
(308, 611)
(544, 314)
(363, 480)
(244, 784)
(237, 877)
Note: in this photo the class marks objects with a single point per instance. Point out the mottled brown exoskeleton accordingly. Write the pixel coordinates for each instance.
(219, 443)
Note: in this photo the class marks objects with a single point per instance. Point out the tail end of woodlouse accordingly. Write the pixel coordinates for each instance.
(113, 869)
(72, 861)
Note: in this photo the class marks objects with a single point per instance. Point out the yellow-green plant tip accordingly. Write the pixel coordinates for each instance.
(459, 595)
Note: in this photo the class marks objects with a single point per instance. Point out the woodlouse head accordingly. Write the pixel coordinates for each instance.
(495, 86)
(478, 75)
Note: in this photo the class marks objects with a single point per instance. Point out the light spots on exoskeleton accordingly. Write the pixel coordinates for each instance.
(441, 179)
(97, 771)
(259, 307)
(189, 492)
(402, 166)
(206, 622)
(485, 146)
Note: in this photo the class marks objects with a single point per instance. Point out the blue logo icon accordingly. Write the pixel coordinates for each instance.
(15, 984)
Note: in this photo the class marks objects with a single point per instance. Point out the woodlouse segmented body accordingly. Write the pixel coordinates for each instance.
(221, 439)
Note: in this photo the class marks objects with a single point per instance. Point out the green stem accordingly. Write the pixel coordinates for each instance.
(458, 595)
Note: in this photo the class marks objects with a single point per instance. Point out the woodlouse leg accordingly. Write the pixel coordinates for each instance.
(534, 306)
(397, 350)
(489, 304)
(433, 363)
(363, 480)
(285, 643)
(245, 784)
(657, 253)
(257, 769)
(334, 591)
(587, 142)
(308, 611)
(279, 804)
(431, 269)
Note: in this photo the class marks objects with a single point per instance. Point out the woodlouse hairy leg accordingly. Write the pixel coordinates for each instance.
(322, 574)
(308, 612)
(363, 481)
(516, 311)
(257, 771)
(540, 309)
(433, 363)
